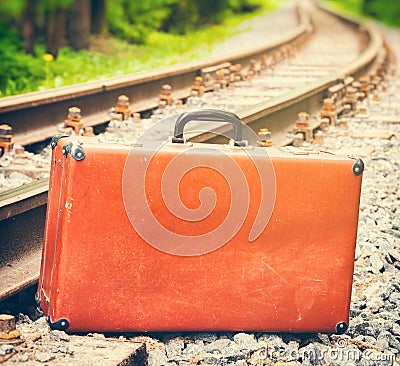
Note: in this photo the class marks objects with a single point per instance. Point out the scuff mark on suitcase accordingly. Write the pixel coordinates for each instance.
(252, 292)
(276, 311)
(68, 207)
(262, 275)
(273, 270)
(309, 278)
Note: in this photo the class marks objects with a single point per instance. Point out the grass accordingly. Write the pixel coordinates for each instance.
(350, 6)
(386, 11)
(109, 57)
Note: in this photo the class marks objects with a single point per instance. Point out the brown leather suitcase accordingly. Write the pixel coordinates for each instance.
(178, 236)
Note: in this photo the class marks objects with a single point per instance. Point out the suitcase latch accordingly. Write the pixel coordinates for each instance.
(76, 151)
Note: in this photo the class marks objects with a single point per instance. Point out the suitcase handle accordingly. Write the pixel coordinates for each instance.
(209, 115)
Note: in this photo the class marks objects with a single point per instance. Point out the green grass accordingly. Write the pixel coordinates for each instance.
(386, 11)
(350, 6)
(109, 57)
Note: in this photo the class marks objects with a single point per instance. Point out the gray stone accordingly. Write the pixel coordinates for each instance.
(388, 267)
(369, 339)
(233, 352)
(273, 340)
(55, 349)
(157, 357)
(217, 346)
(174, 347)
(43, 356)
(382, 344)
(387, 315)
(394, 343)
(372, 289)
(192, 349)
(59, 335)
(324, 338)
(354, 312)
(396, 329)
(386, 291)
(245, 341)
(240, 363)
(65, 349)
(394, 297)
(358, 326)
(384, 335)
(395, 254)
(41, 324)
(212, 359)
(23, 318)
(5, 349)
(225, 336)
(23, 358)
(375, 304)
(376, 261)
(205, 337)
(384, 245)
(388, 325)
(19, 176)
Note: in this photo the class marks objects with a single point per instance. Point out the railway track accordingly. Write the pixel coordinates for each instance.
(22, 210)
(34, 114)
(294, 81)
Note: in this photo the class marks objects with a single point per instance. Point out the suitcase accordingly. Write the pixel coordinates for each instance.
(179, 236)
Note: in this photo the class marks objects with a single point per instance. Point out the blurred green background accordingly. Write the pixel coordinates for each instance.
(386, 11)
(51, 43)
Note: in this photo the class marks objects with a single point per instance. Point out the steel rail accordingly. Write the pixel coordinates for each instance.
(34, 116)
(277, 114)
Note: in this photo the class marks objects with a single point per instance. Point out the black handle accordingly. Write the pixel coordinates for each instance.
(209, 115)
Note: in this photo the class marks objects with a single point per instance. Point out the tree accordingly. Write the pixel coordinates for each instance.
(78, 26)
(56, 18)
(98, 17)
(28, 26)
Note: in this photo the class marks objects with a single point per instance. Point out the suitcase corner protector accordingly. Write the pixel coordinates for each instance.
(54, 140)
(60, 324)
(358, 167)
(341, 327)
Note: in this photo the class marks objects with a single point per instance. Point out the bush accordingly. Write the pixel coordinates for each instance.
(19, 72)
(386, 11)
(133, 21)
